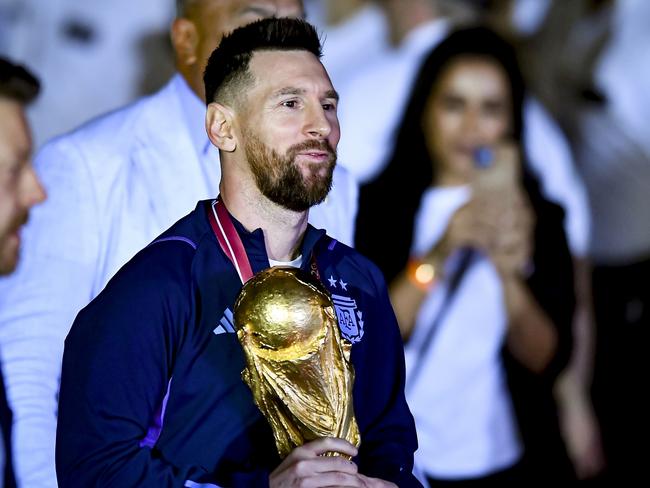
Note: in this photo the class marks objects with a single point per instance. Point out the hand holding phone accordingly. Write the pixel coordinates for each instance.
(504, 210)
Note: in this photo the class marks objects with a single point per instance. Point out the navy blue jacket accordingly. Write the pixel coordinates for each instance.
(151, 390)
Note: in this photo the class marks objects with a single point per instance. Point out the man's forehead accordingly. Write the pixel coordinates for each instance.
(274, 68)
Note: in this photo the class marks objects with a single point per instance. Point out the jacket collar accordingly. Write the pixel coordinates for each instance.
(254, 244)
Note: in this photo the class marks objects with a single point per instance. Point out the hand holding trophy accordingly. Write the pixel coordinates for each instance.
(297, 365)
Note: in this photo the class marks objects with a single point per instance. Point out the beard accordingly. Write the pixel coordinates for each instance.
(278, 177)
(8, 248)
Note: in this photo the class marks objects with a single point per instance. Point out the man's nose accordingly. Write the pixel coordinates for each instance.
(32, 191)
(317, 124)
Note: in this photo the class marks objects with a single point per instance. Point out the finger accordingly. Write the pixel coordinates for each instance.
(323, 464)
(320, 446)
(303, 469)
(332, 479)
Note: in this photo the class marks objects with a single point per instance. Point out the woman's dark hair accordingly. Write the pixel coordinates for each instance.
(387, 205)
(385, 221)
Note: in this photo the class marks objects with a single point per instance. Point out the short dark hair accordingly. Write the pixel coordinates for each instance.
(227, 68)
(16, 83)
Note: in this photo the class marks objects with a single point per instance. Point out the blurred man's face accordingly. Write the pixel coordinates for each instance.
(212, 19)
(19, 187)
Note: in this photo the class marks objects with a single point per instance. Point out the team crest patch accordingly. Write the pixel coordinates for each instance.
(350, 318)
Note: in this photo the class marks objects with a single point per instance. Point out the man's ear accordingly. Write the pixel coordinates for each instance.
(219, 126)
(185, 40)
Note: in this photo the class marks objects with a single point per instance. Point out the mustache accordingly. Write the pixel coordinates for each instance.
(20, 220)
(311, 145)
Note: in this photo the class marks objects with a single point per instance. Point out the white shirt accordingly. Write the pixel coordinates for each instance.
(294, 263)
(460, 401)
(613, 150)
(354, 44)
(194, 116)
(550, 158)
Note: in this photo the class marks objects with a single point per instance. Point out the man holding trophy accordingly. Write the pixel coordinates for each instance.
(200, 365)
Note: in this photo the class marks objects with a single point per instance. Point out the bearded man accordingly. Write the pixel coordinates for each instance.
(151, 388)
(114, 184)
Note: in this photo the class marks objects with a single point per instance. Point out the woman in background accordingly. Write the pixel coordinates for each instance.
(479, 271)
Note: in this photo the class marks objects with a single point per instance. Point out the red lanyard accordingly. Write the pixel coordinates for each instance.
(229, 240)
(232, 245)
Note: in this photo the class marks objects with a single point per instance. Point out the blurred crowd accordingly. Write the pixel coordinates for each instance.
(495, 164)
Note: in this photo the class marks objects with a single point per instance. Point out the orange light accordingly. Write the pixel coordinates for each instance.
(425, 273)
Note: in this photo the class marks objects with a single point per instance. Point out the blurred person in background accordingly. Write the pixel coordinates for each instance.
(376, 91)
(114, 184)
(597, 86)
(20, 190)
(537, 29)
(355, 35)
(479, 270)
(91, 56)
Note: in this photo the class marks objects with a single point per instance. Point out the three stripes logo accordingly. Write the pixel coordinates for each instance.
(226, 324)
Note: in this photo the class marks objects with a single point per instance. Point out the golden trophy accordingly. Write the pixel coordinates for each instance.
(297, 365)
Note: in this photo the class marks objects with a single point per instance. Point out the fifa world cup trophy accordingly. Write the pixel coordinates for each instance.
(297, 364)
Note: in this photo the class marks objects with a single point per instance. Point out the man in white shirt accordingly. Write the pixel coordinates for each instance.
(114, 185)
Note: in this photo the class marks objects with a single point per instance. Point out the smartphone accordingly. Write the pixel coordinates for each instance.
(498, 168)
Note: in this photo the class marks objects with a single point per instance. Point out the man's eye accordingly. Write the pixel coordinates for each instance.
(290, 104)
(329, 106)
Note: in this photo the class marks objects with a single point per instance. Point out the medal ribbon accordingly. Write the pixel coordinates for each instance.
(232, 245)
(229, 240)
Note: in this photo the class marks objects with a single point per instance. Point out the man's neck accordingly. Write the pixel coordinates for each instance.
(283, 229)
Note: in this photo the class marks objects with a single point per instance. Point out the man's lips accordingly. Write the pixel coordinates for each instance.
(317, 155)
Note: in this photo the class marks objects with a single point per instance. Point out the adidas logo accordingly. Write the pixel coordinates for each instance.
(226, 324)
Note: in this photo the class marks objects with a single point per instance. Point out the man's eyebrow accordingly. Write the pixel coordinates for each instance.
(332, 94)
(290, 90)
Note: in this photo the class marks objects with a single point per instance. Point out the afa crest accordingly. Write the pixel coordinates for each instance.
(350, 318)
